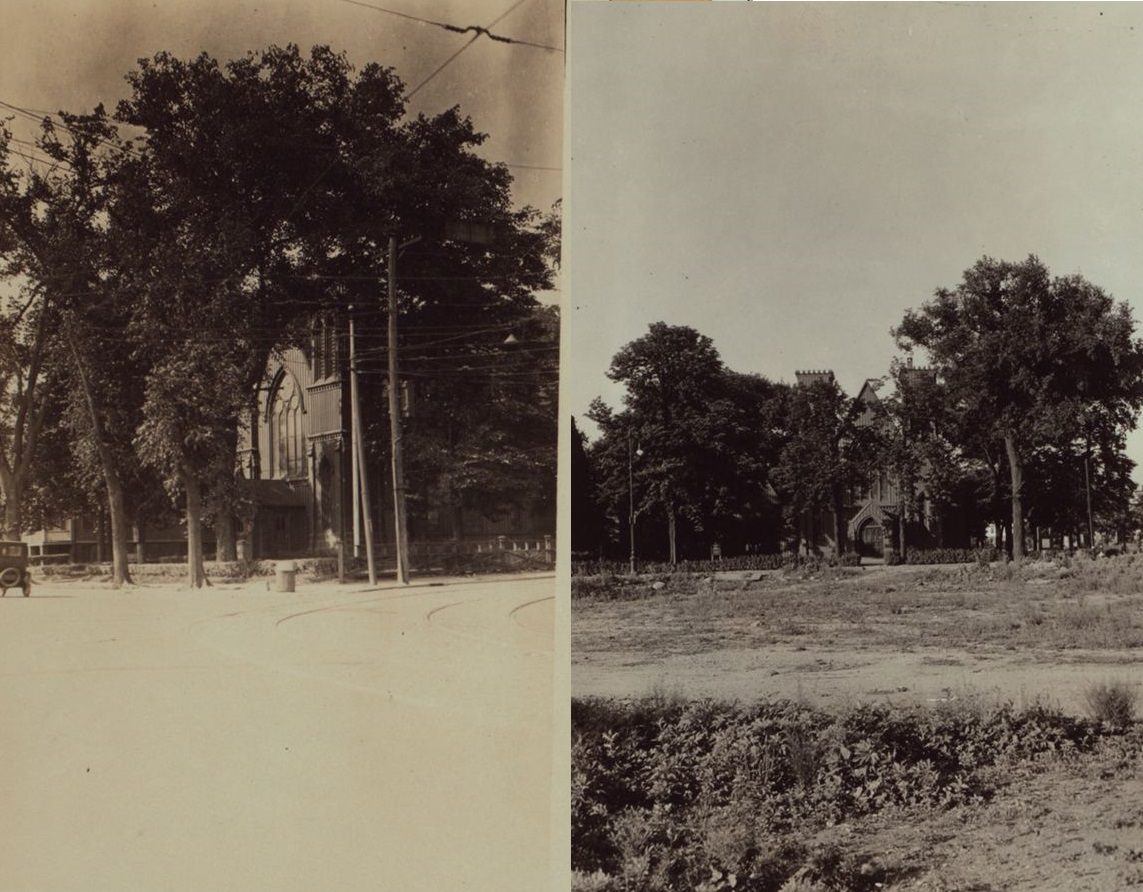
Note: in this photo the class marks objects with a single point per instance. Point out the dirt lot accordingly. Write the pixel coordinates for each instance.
(1043, 634)
(874, 633)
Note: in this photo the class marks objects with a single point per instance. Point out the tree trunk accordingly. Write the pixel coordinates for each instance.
(839, 534)
(902, 523)
(24, 434)
(10, 489)
(1017, 469)
(457, 522)
(120, 572)
(196, 570)
(796, 524)
(226, 490)
(224, 536)
(671, 535)
(120, 528)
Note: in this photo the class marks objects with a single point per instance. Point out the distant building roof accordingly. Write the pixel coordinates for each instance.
(809, 377)
(918, 375)
(868, 399)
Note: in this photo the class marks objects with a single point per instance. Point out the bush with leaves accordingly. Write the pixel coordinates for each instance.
(716, 795)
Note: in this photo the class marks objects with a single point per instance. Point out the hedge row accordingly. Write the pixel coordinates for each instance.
(786, 560)
(944, 556)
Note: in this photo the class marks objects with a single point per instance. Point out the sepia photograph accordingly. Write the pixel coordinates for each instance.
(854, 381)
(279, 354)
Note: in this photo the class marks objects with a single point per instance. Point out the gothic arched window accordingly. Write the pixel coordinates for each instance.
(287, 438)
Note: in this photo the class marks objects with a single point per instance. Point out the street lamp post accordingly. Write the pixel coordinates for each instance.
(1087, 486)
(631, 453)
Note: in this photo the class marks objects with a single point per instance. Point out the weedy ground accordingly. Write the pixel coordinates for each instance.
(967, 671)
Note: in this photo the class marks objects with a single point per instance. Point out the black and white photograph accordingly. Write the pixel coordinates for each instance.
(854, 382)
(279, 360)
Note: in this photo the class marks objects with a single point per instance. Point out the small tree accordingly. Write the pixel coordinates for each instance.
(190, 395)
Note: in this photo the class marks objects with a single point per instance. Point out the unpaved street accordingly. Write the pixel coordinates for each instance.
(338, 737)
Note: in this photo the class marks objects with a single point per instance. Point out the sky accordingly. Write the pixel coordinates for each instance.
(789, 179)
(72, 54)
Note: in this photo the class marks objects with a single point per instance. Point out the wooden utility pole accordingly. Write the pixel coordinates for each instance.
(402, 545)
(341, 511)
(359, 455)
(355, 472)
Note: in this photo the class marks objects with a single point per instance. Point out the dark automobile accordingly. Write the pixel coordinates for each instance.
(14, 568)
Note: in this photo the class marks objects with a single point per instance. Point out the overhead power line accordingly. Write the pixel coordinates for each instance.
(530, 166)
(38, 116)
(477, 30)
(473, 40)
(49, 161)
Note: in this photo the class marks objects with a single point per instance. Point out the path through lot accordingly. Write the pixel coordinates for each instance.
(236, 739)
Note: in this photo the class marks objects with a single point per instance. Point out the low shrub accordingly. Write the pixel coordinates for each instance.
(688, 795)
(1112, 703)
(739, 562)
(950, 555)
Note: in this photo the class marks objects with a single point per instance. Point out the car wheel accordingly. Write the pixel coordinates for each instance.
(10, 577)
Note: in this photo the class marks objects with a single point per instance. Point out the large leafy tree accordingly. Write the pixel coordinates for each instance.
(311, 168)
(483, 435)
(694, 440)
(1026, 355)
(262, 192)
(1080, 475)
(194, 383)
(58, 221)
(247, 158)
(669, 375)
(28, 321)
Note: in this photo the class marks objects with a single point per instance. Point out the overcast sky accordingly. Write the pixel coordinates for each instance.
(789, 179)
(71, 54)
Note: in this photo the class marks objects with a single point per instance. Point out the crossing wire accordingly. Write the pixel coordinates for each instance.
(456, 29)
(473, 40)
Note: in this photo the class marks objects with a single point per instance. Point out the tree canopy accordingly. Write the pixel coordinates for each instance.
(1030, 386)
(1026, 356)
(162, 273)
